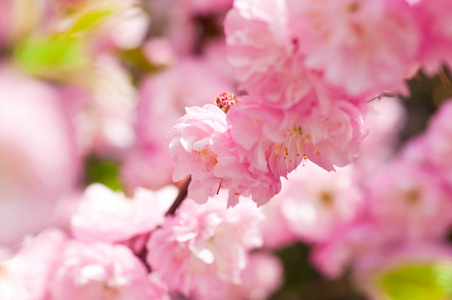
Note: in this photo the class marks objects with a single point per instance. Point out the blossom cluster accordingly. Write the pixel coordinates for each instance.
(306, 70)
(165, 149)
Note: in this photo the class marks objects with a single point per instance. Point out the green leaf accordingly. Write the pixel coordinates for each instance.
(37, 55)
(418, 282)
(90, 19)
(102, 171)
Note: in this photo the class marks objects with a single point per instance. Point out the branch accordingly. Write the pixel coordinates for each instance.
(178, 201)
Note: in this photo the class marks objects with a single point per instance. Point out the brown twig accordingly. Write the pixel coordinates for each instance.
(179, 199)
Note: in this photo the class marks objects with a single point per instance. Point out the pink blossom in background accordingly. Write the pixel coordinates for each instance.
(386, 117)
(138, 167)
(36, 148)
(404, 197)
(25, 274)
(100, 271)
(348, 244)
(108, 216)
(215, 53)
(274, 227)
(315, 202)
(159, 52)
(262, 276)
(263, 53)
(435, 22)
(362, 46)
(438, 143)
(205, 246)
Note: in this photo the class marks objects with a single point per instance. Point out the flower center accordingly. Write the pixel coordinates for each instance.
(225, 101)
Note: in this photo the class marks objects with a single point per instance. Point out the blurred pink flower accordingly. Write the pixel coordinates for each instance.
(107, 216)
(348, 244)
(362, 46)
(203, 247)
(261, 277)
(438, 143)
(38, 155)
(263, 52)
(100, 271)
(314, 202)
(386, 117)
(25, 274)
(434, 20)
(404, 197)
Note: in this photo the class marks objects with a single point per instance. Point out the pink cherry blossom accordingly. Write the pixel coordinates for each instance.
(327, 132)
(205, 246)
(201, 146)
(262, 276)
(386, 117)
(349, 243)
(274, 227)
(25, 274)
(108, 216)
(438, 142)
(362, 46)
(99, 271)
(36, 147)
(263, 52)
(315, 202)
(405, 197)
(434, 19)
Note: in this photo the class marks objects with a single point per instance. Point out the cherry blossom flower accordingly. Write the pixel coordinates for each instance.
(329, 134)
(25, 274)
(99, 271)
(362, 46)
(314, 202)
(261, 277)
(434, 21)
(263, 52)
(204, 246)
(163, 98)
(108, 216)
(405, 198)
(201, 147)
(36, 147)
